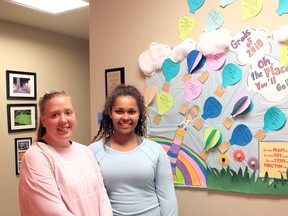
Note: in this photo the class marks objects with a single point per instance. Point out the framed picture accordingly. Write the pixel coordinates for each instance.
(113, 77)
(21, 146)
(21, 85)
(21, 117)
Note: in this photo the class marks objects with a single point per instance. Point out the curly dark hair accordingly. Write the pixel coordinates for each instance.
(106, 126)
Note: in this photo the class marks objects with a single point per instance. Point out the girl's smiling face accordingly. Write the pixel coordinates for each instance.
(125, 115)
(59, 119)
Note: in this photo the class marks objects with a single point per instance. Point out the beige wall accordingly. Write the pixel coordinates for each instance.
(60, 62)
(121, 30)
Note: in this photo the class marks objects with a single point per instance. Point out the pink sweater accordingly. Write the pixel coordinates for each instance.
(61, 181)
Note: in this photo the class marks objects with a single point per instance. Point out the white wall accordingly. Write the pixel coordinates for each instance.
(60, 62)
(121, 30)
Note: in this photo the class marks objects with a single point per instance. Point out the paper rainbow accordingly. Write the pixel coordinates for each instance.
(190, 168)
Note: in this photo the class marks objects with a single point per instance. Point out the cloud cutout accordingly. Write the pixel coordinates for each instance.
(214, 42)
(182, 50)
(280, 34)
(152, 59)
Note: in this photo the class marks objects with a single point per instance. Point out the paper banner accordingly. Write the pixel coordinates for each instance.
(212, 108)
(251, 8)
(212, 138)
(195, 5)
(231, 74)
(215, 62)
(164, 102)
(282, 7)
(193, 59)
(224, 3)
(241, 135)
(214, 20)
(186, 26)
(284, 54)
(192, 89)
(242, 104)
(149, 92)
(170, 69)
(274, 119)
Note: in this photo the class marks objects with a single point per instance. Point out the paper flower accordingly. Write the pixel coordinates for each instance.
(239, 155)
(223, 160)
(253, 163)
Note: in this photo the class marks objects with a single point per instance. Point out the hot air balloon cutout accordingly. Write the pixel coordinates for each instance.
(192, 90)
(212, 139)
(187, 166)
(195, 5)
(274, 119)
(149, 93)
(224, 3)
(170, 70)
(164, 103)
(214, 20)
(242, 104)
(250, 8)
(212, 109)
(195, 60)
(213, 63)
(241, 136)
(231, 74)
(186, 27)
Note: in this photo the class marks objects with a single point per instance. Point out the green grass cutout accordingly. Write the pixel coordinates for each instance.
(240, 181)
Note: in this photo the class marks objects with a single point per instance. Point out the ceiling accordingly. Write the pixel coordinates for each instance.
(74, 23)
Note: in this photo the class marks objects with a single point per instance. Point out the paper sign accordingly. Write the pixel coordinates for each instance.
(251, 8)
(195, 5)
(282, 7)
(273, 159)
(214, 20)
(186, 27)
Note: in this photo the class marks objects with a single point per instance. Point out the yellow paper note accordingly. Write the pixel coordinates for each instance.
(251, 8)
(186, 26)
(284, 54)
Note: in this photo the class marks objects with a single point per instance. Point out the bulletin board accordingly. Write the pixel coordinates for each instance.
(218, 106)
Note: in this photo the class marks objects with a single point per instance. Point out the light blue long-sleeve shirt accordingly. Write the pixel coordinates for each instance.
(138, 182)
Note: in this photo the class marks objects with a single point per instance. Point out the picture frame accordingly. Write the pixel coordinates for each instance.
(21, 146)
(21, 85)
(21, 117)
(113, 77)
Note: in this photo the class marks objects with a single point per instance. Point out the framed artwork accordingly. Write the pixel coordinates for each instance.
(21, 85)
(113, 77)
(21, 117)
(21, 146)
